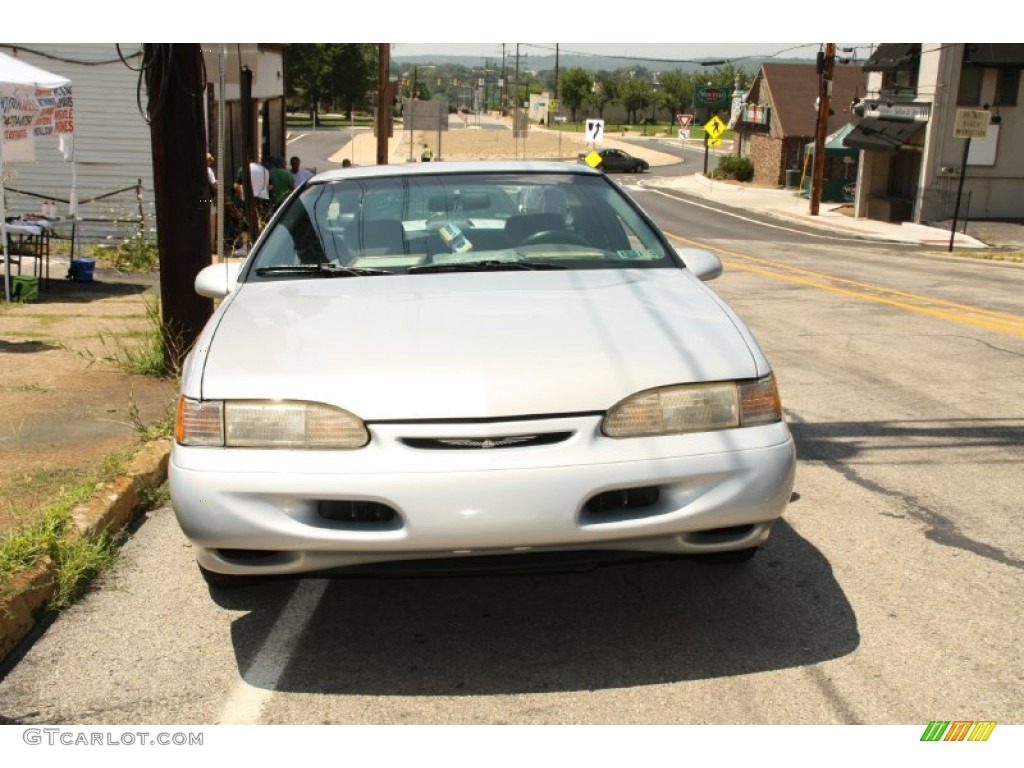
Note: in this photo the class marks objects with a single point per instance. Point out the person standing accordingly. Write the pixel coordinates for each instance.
(260, 179)
(211, 181)
(301, 174)
(281, 182)
(427, 155)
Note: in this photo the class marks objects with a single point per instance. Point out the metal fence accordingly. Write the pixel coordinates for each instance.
(107, 218)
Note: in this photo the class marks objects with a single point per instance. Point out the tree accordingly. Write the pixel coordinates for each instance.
(635, 94)
(574, 89)
(604, 91)
(676, 91)
(355, 74)
(320, 74)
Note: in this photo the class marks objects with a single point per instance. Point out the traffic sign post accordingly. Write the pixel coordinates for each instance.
(684, 121)
(970, 124)
(713, 130)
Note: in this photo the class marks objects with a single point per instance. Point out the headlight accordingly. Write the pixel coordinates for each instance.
(695, 408)
(267, 424)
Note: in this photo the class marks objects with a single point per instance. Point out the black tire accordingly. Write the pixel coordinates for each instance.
(226, 580)
(638, 168)
(736, 557)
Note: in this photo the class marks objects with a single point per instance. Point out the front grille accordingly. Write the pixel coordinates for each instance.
(484, 443)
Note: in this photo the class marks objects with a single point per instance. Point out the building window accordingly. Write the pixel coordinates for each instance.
(969, 92)
(903, 80)
(1007, 87)
(899, 64)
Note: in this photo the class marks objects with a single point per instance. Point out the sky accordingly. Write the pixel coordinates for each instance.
(739, 25)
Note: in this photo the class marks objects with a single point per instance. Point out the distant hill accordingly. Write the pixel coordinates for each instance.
(591, 63)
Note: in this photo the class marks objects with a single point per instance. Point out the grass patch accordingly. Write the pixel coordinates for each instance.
(51, 533)
(1016, 257)
(30, 387)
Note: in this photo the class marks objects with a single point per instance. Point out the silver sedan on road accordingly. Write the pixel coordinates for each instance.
(471, 364)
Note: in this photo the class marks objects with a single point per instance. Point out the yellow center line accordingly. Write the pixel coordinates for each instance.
(911, 302)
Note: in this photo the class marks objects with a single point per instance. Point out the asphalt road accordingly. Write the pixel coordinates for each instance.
(890, 594)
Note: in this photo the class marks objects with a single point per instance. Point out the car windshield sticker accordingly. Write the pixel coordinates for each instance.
(633, 255)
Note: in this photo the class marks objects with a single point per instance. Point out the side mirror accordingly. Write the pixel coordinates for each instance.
(704, 264)
(217, 280)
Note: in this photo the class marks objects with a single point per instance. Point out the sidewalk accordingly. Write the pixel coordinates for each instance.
(792, 207)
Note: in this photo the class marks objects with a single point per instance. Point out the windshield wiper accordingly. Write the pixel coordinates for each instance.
(325, 268)
(484, 266)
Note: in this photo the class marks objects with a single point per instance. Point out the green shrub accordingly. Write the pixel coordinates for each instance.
(731, 167)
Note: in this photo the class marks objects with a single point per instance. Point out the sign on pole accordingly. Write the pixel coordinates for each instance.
(971, 123)
(714, 128)
(595, 130)
(684, 121)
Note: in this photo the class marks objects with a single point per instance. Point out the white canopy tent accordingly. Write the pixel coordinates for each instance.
(34, 103)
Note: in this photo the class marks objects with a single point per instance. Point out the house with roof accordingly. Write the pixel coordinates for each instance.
(779, 117)
(939, 129)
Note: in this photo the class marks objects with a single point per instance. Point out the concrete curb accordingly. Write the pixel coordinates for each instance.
(113, 507)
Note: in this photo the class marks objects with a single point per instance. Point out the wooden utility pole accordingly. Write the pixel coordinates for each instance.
(249, 151)
(828, 62)
(383, 101)
(174, 82)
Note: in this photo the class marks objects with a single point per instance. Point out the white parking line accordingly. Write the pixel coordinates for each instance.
(259, 682)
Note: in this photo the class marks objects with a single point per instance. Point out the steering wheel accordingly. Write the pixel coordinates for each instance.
(555, 237)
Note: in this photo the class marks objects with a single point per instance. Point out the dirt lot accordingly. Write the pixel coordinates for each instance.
(474, 143)
(62, 410)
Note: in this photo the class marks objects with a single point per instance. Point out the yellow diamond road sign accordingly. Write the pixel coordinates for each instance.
(593, 159)
(714, 127)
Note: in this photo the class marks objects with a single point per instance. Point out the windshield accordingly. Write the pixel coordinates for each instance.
(441, 223)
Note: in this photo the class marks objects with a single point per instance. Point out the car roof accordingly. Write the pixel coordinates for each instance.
(454, 168)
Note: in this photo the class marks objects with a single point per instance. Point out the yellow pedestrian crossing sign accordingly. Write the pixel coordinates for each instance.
(714, 128)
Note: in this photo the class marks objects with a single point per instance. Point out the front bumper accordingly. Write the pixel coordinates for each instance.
(261, 512)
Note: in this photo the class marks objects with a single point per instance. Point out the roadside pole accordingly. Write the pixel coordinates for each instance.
(959, 193)
(970, 124)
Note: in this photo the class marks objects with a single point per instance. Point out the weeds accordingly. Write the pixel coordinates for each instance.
(76, 559)
(162, 428)
(30, 387)
(147, 356)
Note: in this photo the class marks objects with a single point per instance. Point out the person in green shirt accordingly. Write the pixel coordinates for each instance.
(427, 155)
(281, 181)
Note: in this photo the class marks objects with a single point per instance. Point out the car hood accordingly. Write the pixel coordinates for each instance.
(472, 345)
